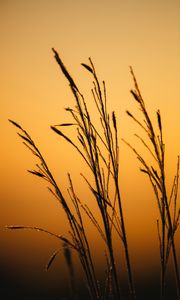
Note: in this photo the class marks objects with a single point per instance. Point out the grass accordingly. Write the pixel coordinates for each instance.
(168, 219)
(99, 148)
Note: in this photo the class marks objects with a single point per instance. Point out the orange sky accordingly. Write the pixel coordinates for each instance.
(116, 34)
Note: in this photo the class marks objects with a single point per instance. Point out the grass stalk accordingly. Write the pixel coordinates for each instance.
(88, 138)
(99, 149)
(169, 223)
(80, 242)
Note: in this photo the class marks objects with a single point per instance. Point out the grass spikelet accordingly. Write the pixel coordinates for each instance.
(64, 70)
(12, 227)
(51, 259)
(159, 120)
(129, 114)
(135, 96)
(36, 173)
(66, 124)
(88, 68)
(15, 124)
(114, 120)
(26, 139)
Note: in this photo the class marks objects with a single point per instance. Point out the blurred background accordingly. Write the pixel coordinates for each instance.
(34, 93)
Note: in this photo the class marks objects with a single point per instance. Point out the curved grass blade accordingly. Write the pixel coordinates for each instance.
(51, 259)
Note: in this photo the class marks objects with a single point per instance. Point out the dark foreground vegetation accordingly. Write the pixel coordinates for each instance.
(98, 145)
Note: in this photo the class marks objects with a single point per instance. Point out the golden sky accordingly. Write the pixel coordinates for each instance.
(115, 34)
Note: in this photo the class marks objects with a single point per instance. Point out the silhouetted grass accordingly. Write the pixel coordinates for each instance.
(99, 148)
(169, 218)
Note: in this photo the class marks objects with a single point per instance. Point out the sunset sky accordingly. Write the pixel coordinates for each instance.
(34, 93)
